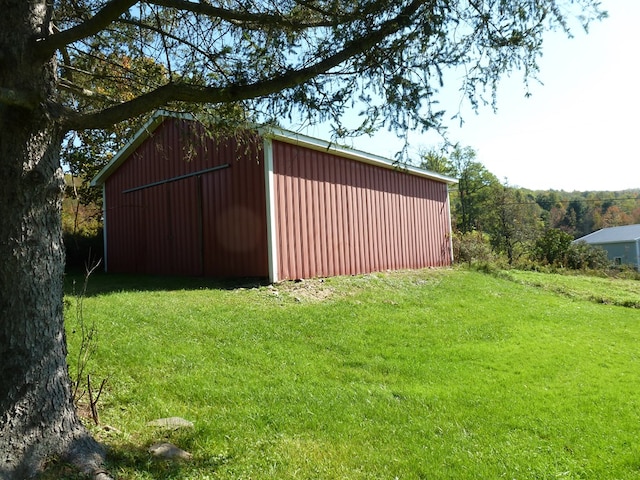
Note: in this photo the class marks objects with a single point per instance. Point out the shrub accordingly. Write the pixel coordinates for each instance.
(472, 247)
(582, 256)
(552, 248)
(82, 250)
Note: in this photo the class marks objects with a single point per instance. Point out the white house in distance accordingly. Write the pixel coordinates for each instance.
(622, 244)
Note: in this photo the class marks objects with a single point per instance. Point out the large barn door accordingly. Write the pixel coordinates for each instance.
(174, 243)
(172, 217)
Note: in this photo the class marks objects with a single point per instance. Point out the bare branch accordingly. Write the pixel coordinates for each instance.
(160, 31)
(84, 92)
(163, 38)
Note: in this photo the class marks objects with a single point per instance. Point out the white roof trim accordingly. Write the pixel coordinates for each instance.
(140, 136)
(268, 132)
(346, 152)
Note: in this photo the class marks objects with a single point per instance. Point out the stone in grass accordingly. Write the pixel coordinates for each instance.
(173, 423)
(168, 451)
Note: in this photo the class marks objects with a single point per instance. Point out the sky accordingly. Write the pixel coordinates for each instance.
(578, 129)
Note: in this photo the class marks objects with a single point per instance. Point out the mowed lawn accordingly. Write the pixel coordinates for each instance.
(435, 374)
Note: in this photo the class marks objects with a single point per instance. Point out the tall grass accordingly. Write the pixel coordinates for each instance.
(438, 374)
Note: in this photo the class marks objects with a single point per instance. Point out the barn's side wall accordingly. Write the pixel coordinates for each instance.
(336, 216)
(209, 224)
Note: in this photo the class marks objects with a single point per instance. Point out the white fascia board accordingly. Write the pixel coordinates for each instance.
(591, 241)
(346, 152)
(272, 239)
(266, 132)
(140, 136)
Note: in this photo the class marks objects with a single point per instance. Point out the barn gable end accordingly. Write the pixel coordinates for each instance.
(186, 204)
(276, 205)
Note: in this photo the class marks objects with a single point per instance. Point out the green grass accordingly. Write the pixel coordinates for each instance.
(622, 292)
(437, 374)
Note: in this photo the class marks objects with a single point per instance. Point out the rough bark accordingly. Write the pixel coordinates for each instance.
(37, 416)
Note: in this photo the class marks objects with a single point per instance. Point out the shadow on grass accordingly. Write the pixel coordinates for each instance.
(128, 460)
(104, 283)
(133, 461)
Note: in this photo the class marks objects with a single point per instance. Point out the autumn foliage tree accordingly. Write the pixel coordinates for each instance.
(77, 65)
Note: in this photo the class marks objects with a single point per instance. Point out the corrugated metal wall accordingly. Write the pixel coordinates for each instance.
(337, 216)
(212, 224)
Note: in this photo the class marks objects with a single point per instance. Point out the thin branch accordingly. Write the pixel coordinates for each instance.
(246, 19)
(192, 46)
(140, 80)
(77, 89)
(163, 38)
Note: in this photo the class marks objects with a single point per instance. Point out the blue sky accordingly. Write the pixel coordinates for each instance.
(576, 131)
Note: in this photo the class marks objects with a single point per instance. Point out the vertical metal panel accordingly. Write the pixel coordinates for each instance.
(212, 224)
(337, 216)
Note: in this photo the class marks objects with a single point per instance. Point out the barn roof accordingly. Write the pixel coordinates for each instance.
(626, 233)
(274, 133)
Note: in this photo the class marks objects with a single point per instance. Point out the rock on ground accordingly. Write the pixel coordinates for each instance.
(168, 451)
(171, 422)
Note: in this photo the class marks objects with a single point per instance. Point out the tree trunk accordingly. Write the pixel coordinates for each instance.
(37, 416)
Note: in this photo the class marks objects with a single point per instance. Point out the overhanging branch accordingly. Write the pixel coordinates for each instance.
(248, 18)
(187, 93)
(110, 12)
(113, 9)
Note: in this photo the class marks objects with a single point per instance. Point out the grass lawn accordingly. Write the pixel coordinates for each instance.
(622, 292)
(436, 374)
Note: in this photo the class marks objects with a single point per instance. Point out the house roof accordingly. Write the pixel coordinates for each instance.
(627, 233)
(268, 132)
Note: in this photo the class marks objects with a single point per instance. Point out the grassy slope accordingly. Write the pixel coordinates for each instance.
(434, 374)
(622, 292)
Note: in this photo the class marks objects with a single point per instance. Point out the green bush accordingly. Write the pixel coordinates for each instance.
(552, 247)
(582, 256)
(472, 247)
(628, 272)
(82, 250)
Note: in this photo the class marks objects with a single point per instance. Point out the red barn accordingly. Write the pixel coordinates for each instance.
(273, 204)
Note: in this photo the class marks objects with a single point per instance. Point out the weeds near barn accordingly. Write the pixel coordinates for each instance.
(441, 374)
(85, 334)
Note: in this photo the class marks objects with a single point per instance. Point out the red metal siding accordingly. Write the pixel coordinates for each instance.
(336, 216)
(211, 224)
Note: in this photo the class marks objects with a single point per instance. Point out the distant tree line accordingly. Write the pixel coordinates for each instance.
(491, 217)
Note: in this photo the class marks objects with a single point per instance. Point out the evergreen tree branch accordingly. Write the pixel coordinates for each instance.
(248, 19)
(46, 46)
(189, 93)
